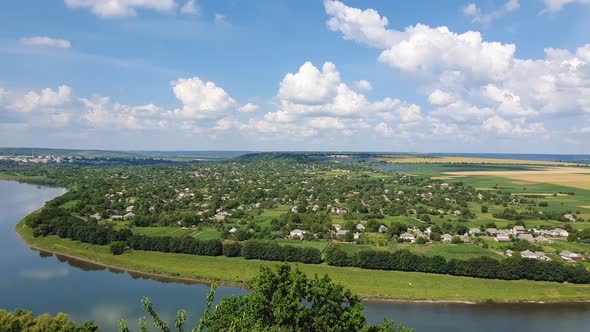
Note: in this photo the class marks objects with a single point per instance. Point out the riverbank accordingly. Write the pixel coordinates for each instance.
(374, 285)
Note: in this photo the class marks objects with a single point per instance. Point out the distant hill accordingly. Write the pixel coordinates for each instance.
(176, 155)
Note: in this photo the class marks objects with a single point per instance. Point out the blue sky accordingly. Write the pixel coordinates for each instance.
(424, 76)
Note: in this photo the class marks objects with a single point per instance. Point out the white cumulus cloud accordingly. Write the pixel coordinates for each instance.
(477, 16)
(45, 99)
(190, 8)
(363, 85)
(121, 8)
(248, 108)
(309, 85)
(384, 130)
(201, 99)
(45, 41)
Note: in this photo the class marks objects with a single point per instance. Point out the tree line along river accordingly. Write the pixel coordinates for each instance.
(42, 282)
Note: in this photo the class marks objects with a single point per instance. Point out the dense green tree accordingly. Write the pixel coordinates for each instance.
(21, 320)
(117, 248)
(283, 299)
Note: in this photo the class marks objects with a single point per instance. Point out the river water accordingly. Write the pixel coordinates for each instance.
(46, 283)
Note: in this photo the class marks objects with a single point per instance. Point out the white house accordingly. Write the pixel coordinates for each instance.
(534, 255)
(474, 231)
(337, 227)
(518, 230)
(465, 238)
(360, 227)
(129, 215)
(446, 237)
(382, 229)
(526, 237)
(559, 232)
(569, 217)
(491, 231)
(502, 237)
(407, 236)
(542, 239)
(233, 230)
(297, 233)
(571, 256)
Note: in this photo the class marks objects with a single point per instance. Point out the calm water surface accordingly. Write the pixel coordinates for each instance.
(45, 283)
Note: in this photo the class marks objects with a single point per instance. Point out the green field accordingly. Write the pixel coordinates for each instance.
(367, 283)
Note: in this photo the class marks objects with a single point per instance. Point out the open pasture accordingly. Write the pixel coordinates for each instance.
(468, 160)
(575, 177)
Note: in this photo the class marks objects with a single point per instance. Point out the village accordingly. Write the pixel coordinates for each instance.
(312, 204)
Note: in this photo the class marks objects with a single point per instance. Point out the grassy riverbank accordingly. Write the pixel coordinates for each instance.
(372, 284)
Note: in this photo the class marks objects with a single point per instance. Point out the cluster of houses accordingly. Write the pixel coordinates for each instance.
(39, 159)
(540, 255)
(519, 232)
(413, 234)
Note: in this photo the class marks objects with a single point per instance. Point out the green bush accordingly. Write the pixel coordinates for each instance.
(117, 248)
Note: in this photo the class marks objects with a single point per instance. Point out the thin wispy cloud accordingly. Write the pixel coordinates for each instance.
(45, 41)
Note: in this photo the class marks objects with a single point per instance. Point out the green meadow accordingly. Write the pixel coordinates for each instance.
(372, 284)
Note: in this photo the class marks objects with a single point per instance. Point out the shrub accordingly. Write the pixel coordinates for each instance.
(232, 249)
(117, 248)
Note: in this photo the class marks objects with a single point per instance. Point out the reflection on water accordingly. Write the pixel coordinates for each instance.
(45, 274)
(42, 282)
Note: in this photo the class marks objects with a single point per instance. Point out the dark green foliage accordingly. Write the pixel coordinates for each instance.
(284, 299)
(117, 248)
(232, 249)
(55, 221)
(335, 256)
(522, 245)
(270, 251)
(184, 244)
(21, 320)
(481, 267)
(512, 214)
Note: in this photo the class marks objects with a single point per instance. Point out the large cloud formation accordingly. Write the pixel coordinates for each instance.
(314, 102)
(471, 80)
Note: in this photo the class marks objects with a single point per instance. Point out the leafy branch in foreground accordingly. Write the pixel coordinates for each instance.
(284, 299)
(21, 320)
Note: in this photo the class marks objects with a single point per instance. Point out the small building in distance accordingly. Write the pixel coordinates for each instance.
(297, 234)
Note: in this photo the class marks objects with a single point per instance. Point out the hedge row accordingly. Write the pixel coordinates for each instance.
(184, 244)
(482, 267)
(270, 251)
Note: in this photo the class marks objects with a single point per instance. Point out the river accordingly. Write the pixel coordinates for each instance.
(45, 283)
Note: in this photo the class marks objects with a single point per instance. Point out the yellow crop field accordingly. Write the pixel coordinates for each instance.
(565, 176)
(469, 160)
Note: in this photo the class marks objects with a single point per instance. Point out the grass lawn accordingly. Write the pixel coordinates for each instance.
(319, 244)
(367, 283)
(449, 251)
(70, 204)
(208, 235)
(164, 231)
